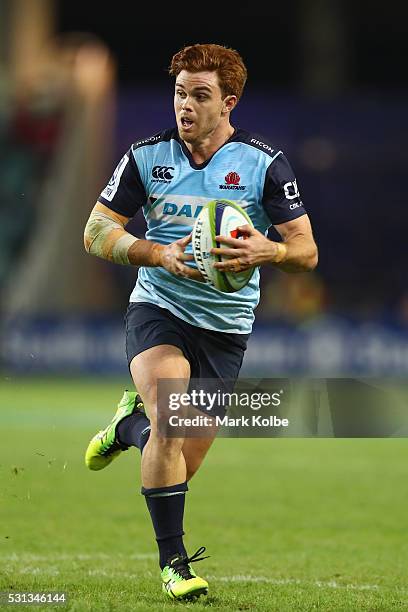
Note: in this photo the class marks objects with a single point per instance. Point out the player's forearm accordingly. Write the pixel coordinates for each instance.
(145, 253)
(106, 238)
(298, 254)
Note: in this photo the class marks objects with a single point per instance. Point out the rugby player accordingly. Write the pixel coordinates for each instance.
(176, 325)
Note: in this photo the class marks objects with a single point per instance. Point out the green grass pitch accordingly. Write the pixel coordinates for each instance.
(290, 524)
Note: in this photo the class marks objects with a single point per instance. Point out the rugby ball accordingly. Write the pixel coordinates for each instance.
(218, 218)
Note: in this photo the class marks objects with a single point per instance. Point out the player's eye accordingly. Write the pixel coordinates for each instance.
(181, 93)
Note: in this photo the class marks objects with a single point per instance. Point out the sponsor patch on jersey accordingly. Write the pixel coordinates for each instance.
(178, 209)
(112, 187)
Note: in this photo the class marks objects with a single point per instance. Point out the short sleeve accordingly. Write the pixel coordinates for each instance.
(125, 192)
(281, 198)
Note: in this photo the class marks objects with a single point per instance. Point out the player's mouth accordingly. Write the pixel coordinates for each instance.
(186, 123)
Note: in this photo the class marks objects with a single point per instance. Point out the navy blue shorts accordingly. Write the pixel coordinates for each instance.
(211, 354)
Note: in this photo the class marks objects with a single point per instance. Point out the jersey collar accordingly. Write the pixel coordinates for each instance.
(191, 161)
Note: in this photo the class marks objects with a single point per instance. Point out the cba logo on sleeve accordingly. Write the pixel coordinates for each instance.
(162, 174)
(291, 190)
(232, 181)
(292, 193)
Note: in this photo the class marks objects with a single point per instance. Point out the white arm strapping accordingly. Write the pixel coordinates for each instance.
(102, 238)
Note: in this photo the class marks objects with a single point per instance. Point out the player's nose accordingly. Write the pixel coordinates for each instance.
(186, 103)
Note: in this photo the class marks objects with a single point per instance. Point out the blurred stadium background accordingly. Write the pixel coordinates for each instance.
(80, 83)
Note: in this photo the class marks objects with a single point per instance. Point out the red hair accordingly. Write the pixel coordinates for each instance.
(227, 63)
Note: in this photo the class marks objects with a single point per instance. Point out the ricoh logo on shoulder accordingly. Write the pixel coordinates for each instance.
(147, 140)
(263, 145)
(162, 174)
(232, 181)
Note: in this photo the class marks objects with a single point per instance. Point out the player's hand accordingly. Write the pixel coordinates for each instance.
(253, 250)
(172, 258)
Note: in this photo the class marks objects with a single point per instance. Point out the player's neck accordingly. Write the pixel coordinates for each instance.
(203, 150)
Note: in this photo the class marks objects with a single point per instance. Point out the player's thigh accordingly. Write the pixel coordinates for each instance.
(162, 361)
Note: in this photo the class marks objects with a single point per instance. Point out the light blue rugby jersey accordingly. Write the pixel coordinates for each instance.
(159, 175)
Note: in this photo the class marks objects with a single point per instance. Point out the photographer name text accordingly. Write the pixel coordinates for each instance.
(226, 421)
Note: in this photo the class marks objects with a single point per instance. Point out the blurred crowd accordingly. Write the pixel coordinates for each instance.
(30, 125)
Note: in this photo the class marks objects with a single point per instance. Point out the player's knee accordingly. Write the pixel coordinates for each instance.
(166, 445)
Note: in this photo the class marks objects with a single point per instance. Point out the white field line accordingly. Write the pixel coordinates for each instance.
(239, 578)
(331, 584)
(26, 557)
(53, 571)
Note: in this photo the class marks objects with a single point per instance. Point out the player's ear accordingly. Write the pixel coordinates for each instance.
(229, 103)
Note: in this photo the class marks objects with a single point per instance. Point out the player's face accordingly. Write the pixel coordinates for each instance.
(198, 105)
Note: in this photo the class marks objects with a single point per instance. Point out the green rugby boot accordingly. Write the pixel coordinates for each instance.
(104, 447)
(180, 580)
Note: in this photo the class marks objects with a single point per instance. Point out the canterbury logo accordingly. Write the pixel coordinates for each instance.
(162, 172)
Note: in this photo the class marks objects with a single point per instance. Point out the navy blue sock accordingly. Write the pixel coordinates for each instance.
(134, 430)
(166, 507)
